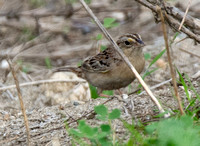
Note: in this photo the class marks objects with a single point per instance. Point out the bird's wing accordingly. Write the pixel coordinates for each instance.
(102, 62)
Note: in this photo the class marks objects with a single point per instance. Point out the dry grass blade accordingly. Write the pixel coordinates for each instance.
(116, 47)
(190, 1)
(170, 61)
(21, 102)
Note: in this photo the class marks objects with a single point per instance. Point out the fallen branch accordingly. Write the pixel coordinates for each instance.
(174, 16)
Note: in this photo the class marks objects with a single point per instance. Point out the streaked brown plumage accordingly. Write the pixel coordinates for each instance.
(107, 70)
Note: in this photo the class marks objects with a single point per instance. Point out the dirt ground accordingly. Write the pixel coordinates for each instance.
(66, 39)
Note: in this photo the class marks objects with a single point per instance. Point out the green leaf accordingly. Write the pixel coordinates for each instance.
(103, 47)
(176, 34)
(147, 73)
(90, 132)
(101, 110)
(192, 87)
(178, 132)
(25, 69)
(99, 37)
(109, 22)
(184, 84)
(88, 1)
(105, 128)
(130, 142)
(101, 135)
(157, 57)
(108, 92)
(48, 62)
(79, 63)
(114, 114)
(105, 142)
(93, 91)
(147, 56)
(86, 130)
(81, 125)
(136, 136)
(76, 132)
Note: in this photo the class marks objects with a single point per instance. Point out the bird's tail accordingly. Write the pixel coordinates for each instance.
(76, 70)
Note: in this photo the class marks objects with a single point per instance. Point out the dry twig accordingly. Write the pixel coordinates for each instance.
(189, 53)
(152, 88)
(21, 102)
(41, 82)
(170, 62)
(108, 36)
(183, 20)
(174, 16)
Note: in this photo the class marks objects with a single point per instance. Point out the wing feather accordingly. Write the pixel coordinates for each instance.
(102, 62)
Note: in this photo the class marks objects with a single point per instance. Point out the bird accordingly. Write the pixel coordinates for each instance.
(107, 70)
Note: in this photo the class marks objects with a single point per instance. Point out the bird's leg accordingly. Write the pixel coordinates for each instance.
(119, 97)
(104, 95)
(120, 93)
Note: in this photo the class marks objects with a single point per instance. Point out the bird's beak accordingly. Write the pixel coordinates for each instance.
(138, 40)
(141, 43)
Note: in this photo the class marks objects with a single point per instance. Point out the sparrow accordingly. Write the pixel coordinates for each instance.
(107, 70)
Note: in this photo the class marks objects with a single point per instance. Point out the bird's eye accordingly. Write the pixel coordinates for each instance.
(127, 43)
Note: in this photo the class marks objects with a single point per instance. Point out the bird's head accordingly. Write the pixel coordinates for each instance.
(130, 41)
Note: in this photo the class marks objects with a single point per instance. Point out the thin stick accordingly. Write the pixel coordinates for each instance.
(183, 20)
(119, 51)
(170, 62)
(21, 102)
(41, 82)
(152, 88)
(189, 52)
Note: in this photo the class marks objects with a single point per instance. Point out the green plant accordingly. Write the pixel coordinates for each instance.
(24, 67)
(70, 1)
(94, 95)
(102, 48)
(99, 36)
(147, 72)
(193, 108)
(110, 23)
(37, 3)
(93, 92)
(27, 34)
(48, 62)
(101, 135)
(148, 56)
(173, 132)
(136, 135)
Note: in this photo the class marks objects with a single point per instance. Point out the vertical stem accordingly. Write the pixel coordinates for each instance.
(170, 62)
(21, 101)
